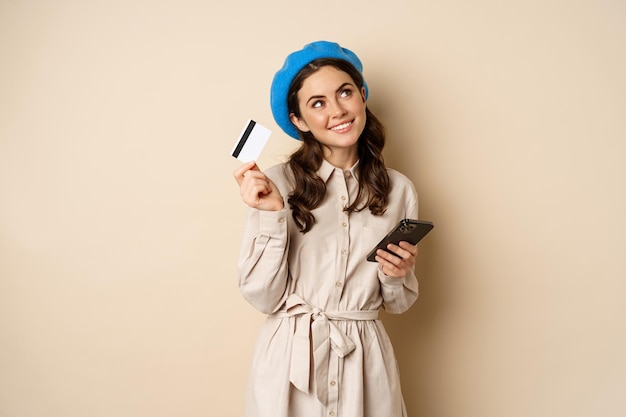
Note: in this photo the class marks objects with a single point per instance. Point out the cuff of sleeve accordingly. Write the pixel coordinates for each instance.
(387, 280)
(273, 223)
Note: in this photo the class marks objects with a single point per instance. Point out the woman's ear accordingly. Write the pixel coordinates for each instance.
(363, 95)
(299, 123)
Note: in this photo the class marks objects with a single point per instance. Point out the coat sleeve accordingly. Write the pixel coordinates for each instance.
(262, 264)
(399, 294)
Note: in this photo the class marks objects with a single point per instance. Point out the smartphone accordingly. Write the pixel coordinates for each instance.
(407, 230)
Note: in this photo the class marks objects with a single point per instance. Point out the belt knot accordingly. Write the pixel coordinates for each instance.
(314, 336)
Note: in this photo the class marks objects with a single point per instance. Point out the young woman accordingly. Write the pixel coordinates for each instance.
(322, 350)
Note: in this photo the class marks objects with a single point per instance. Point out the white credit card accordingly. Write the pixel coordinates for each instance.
(251, 141)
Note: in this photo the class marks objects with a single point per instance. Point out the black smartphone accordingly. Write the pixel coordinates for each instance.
(407, 230)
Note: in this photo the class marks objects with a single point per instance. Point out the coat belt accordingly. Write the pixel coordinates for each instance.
(315, 332)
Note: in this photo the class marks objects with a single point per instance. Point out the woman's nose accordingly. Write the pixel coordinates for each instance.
(337, 110)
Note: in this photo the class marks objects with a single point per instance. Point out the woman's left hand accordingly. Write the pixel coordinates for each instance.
(394, 266)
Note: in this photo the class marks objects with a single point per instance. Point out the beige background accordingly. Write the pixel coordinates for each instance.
(120, 222)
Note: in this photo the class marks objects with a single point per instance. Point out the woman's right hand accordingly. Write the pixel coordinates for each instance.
(256, 189)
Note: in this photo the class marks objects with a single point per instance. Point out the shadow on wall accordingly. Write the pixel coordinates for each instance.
(415, 333)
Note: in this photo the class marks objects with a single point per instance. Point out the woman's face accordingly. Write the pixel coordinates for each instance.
(332, 108)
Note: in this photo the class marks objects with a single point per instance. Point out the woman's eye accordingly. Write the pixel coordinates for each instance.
(346, 93)
(317, 104)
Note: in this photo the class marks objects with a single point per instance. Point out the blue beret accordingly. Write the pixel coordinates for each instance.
(292, 66)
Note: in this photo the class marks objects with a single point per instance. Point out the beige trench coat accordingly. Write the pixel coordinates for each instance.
(322, 350)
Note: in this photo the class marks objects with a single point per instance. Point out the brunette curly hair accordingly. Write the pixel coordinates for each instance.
(309, 189)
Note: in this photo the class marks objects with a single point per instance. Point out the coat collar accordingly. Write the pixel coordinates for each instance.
(327, 169)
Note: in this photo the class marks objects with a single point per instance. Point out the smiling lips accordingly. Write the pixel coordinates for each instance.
(341, 126)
